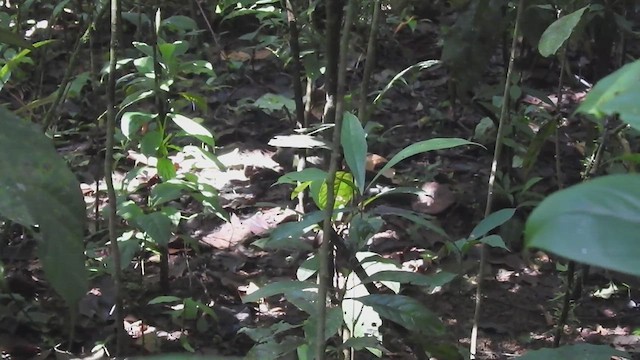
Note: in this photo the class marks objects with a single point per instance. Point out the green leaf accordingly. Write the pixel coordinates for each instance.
(595, 223)
(179, 23)
(151, 143)
(405, 277)
(304, 300)
(278, 287)
(558, 32)
(158, 226)
(135, 97)
(294, 230)
(272, 102)
(494, 241)
(360, 343)
(307, 268)
(578, 351)
(167, 191)
(198, 67)
(399, 76)
(37, 188)
(10, 38)
(170, 52)
(421, 147)
(129, 210)
(343, 189)
(194, 129)
(333, 324)
(308, 174)
(617, 93)
(354, 144)
(144, 65)
(166, 169)
(196, 100)
(164, 299)
(491, 222)
(259, 335)
(406, 312)
(416, 218)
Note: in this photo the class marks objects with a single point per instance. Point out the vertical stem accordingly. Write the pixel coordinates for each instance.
(369, 63)
(296, 66)
(492, 177)
(108, 169)
(336, 97)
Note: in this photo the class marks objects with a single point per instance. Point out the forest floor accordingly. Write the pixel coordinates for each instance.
(522, 290)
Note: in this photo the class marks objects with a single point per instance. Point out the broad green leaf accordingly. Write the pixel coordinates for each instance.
(559, 32)
(361, 228)
(333, 324)
(416, 218)
(179, 23)
(151, 143)
(307, 268)
(595, 223)
(494, 241)
(304, 300)
(272, 102)
(135, 18)
(491, 222)
(10, 38)
(278, 287)
(199, 101)
(166, 191)
(158, 226)
(166, 169)
(133, 121)
(421, 147)
(577, 351)
(372, 263)
(198, 67)
(406, 312)
(37, 188)
(343, 189)
(294, 230)
(129, 210)
(359, 343)
(273, 349)
(135, 97)
(406, 277)
(164, 299)
(171, 51)
(259, 335)
(308, 174)
(361, 320)
(354, 144)
(617, 93)
(144, 65)
(192, 128)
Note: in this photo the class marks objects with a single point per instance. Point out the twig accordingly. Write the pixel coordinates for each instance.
(209, 27)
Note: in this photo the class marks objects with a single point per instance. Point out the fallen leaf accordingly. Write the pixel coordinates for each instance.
(435, 199)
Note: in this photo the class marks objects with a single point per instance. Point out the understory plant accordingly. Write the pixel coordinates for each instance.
(358, 302)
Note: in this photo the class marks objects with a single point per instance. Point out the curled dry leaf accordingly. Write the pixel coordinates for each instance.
(375, 162)
(435, 199)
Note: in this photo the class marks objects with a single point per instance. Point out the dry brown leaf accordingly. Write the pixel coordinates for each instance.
(435, 199)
